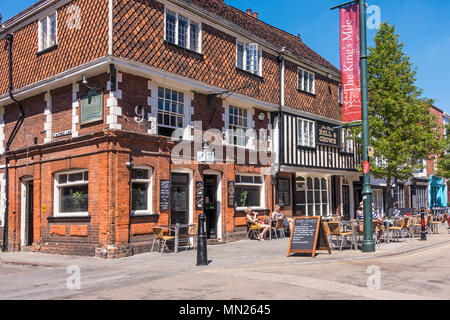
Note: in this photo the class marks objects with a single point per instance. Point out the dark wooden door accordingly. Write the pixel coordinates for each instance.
(210, 208)
(179, 195)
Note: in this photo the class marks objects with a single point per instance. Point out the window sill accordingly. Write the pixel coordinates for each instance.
(49, 49)
(175, 46)
(144, 214)
(69, 219)
(257, 76)
(307, 93)
(241, 209)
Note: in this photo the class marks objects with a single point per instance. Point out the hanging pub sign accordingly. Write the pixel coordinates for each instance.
(92, 107)
(326, 135)
(350, 63)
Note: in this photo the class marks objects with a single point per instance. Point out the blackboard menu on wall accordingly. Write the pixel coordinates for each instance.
(199, 195)
(164, 195)
(231, 192)
(308, 236)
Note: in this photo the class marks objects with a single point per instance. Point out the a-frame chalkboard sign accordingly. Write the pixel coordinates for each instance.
(308, 236)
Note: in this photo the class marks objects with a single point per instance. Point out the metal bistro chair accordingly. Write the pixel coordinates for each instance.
(192, 234)
(160, 237)
(397, 229)
(253, 230)
(407, 227)
(336, 231)
(279, 228)
(436, 222)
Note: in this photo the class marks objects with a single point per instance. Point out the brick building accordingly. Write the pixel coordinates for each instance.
(104, 84)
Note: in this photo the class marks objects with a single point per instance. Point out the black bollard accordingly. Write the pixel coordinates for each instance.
(423, 233)
(202, 250)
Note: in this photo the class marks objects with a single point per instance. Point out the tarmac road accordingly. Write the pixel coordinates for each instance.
(259, 272)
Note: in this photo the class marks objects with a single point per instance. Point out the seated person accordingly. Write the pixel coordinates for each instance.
(277, 215)
(252, 218)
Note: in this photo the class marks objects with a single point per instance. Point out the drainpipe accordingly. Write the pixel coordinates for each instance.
(281, 60)
(17, 126)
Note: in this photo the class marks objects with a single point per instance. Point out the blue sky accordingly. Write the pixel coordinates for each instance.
(424, 27)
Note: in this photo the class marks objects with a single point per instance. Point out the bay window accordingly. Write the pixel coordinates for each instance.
(312, 196)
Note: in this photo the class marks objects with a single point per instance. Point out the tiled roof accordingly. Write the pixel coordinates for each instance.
(265, 31)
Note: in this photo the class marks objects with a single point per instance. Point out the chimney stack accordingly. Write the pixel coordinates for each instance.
(255, 15)
(249, 12)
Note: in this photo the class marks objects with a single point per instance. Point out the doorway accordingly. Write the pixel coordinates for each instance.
(26, 221)
(179, 195)
(210, 206)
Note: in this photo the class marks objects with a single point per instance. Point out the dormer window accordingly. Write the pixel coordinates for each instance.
(183, 31)
(249, 57)
(48, 32)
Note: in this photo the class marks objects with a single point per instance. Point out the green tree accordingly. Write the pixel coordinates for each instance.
(403, 132)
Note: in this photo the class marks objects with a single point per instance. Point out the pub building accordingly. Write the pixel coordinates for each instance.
(87, 168)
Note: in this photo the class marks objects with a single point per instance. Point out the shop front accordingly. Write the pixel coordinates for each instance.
(437, 192)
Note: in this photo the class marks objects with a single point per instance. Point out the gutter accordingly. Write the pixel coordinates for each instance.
(14, 132)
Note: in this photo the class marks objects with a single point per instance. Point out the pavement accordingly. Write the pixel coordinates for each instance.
(411, 270)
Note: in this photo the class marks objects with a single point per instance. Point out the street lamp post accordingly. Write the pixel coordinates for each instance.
(369, 242)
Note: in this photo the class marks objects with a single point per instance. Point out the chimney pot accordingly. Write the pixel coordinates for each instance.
(249, 12)
(255, 15)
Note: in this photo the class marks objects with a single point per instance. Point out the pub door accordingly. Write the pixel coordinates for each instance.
(210, 206)
(27, 213)
(179, 194)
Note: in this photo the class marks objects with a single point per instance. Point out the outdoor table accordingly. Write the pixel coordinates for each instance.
(176, 228)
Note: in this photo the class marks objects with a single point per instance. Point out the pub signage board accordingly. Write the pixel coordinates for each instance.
(164, 195)
(199, 195)
(308, 236)
(327, 135)
(92, 107)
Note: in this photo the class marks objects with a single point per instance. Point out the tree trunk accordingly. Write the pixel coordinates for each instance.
(388, 196)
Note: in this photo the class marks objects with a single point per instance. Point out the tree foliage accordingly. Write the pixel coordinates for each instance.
(403, 132)
(444, 160)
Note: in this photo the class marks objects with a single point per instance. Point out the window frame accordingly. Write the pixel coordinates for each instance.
(45, 44)
(57, 193)
(170, 113)
(301, 81)
(231, 132)
(302, 186)
(190, 21)
(300, 129)
(340, 93)
(149, 182)
(245, 45)
(261, 187)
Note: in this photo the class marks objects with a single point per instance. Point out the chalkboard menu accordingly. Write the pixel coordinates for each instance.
(164, 195)
(308, 236)
(231, 192)
(199, 195)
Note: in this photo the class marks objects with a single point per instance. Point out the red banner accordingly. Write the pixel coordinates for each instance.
(350, 64)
